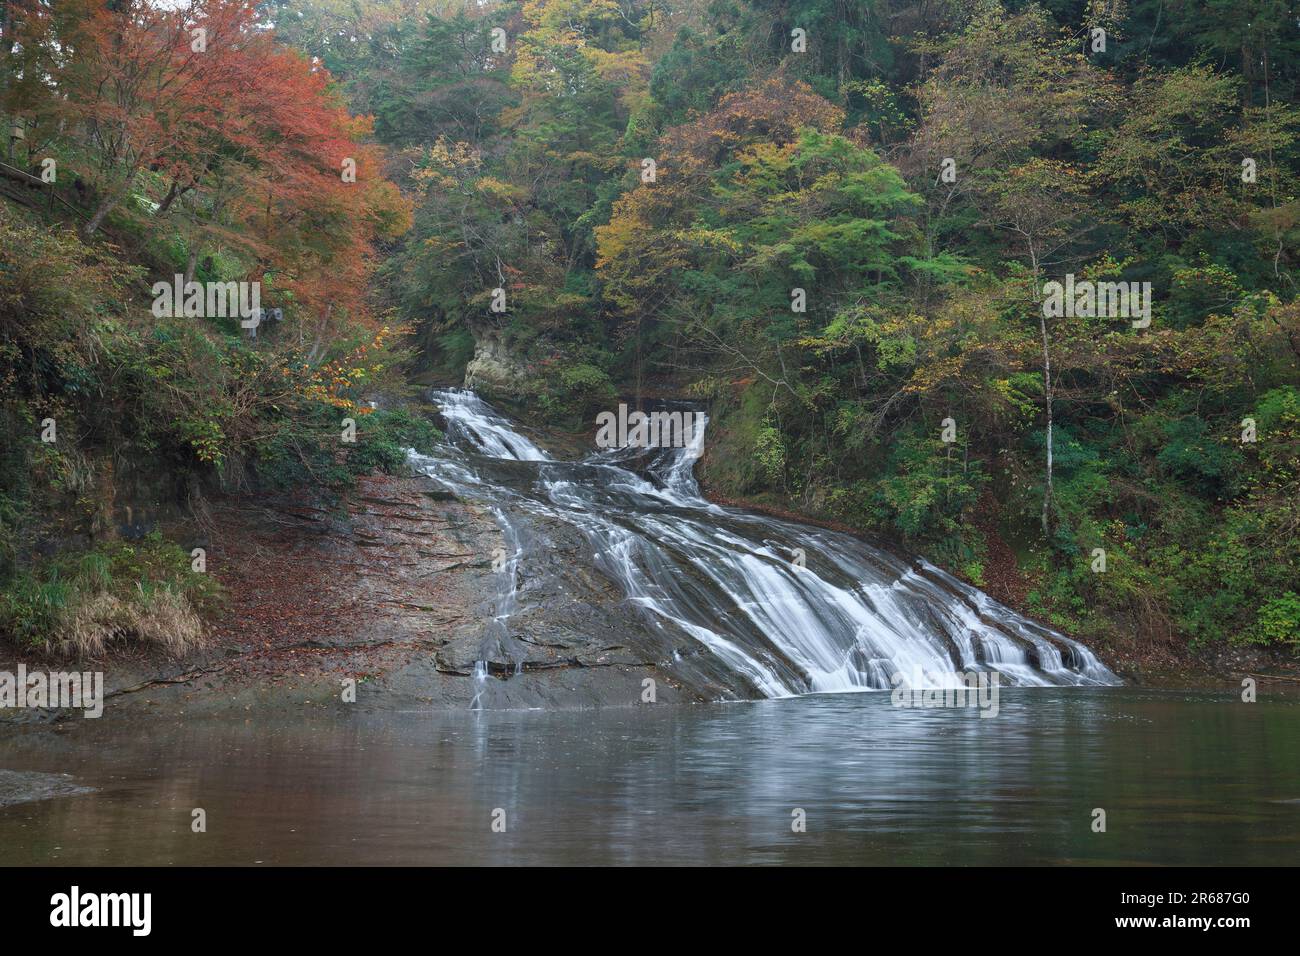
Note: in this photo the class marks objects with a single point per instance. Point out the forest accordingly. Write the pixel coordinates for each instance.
(888, 244)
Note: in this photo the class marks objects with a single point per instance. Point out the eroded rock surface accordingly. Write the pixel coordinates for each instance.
(394, 589)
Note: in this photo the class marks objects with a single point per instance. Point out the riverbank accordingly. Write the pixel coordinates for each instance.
(379, 602)
(311, 597)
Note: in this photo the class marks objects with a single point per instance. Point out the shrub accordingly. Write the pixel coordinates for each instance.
(769, 452)
(78, 605)
(1278, 622)
(572, 393)
(924, 491)
(308, 450)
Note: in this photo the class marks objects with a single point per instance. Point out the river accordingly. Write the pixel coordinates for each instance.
(1184, 778)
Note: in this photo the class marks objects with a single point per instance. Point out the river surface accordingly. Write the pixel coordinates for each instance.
(1184, 778)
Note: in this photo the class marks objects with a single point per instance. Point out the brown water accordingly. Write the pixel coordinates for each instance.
(1191, 778)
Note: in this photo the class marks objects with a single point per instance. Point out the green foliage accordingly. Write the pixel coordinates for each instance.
(1189, 452)
(79, 346)
(310, 450)
(1197, 293)
(31, 607)
(927, 488)
(39, 604)
(769, 453)
(572, 392)
(1278, 622)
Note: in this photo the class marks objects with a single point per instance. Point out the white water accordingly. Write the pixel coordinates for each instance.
(851, 619)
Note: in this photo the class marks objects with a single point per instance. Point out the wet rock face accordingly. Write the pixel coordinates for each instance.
(571, 639)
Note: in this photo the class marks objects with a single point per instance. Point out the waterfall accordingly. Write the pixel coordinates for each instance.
(786, 608)
(480, 684)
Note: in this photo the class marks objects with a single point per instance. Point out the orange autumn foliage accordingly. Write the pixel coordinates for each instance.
(199, 109)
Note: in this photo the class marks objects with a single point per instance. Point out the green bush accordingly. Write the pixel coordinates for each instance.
(309, 449)
(1278, 622)
(1193, 455)
(926, 487)
(769, 453)
(573, 393)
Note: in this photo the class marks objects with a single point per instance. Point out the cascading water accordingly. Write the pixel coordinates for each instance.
(786, 608)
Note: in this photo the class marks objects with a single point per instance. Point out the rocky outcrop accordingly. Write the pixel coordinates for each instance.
(22, 786)
(495, 371)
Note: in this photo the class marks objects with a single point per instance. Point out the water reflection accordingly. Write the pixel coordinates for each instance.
(1184, 778)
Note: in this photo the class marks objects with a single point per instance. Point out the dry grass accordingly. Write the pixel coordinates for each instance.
(160, 619)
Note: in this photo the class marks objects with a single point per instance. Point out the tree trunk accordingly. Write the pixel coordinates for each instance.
(108, 203)
(638, 361)
(1047, 400)
(170, 198)
(96, 219)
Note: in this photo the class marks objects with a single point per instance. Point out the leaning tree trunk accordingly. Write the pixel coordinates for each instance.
(1047, 401)
(1048, 491)
(97, 217)
(108, 203)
